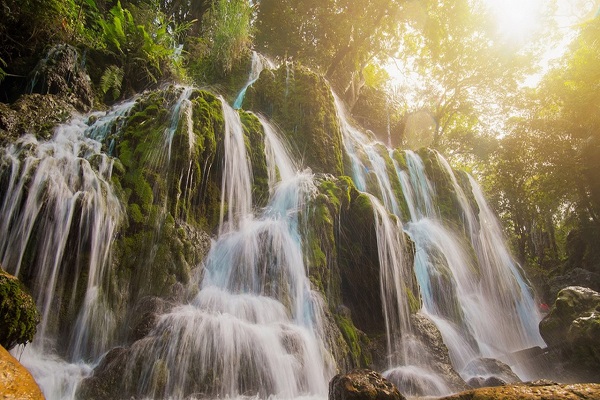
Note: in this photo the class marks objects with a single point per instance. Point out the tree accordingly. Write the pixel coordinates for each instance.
(468, 73)
(337, 37)
(545, 169)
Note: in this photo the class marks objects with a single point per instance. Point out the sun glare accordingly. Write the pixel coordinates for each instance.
(516, 19)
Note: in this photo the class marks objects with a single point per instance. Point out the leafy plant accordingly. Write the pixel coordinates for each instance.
(112, 80)
(230, 31)
(144, 46)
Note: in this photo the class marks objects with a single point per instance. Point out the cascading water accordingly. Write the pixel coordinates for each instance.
(406, 366)
(255, 326)
(481, 304)
(259, 62)
(59, 190)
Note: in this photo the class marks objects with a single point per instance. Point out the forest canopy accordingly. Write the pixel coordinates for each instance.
(507, 89)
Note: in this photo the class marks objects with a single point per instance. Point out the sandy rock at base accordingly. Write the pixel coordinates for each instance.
(532, 391)
(15, 381)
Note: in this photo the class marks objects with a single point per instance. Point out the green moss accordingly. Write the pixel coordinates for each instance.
(300, 102)
(255, 148)
(400, 158)
(413, 302)
(167, 186)
(356, 340)
(134, 212)
(18, 314)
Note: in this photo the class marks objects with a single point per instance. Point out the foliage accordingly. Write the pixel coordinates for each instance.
(111, 80)
(465, 73)
(229, 32)
(18, 314)
(545, 169)
(338, 38)
(143, 44)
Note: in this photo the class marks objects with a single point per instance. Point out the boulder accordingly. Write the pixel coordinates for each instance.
(106, 380)
(426, 344)
(573, 307)
(488, 372)
(363, 384)
(531, 391)
(573, 328)
(15, 381)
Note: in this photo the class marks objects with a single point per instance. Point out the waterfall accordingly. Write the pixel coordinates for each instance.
(481, 303)
(259, 62)
(470, 286)
(252, 324)
(236, 201)
(255, 326)
(62, 213)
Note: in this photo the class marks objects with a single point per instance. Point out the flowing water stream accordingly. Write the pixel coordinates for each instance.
(470, 285)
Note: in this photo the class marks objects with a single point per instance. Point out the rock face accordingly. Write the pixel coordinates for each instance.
(18, 314)
(15, 381)
(32, 113)
(436, 353)
(363, 384)
(61, 73)
(531, 391)
(573, 326)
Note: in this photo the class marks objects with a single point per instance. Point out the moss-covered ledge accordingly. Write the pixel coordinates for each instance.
(300, 102)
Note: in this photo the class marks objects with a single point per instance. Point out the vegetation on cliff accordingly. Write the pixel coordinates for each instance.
(19, 316)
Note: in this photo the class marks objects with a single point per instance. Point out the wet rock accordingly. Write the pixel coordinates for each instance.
(437, 357)
(531, 391)
(18, 313)
(363, 384)
(62, 73)
(106, 380)
(573, 328)
(15, 381)
(480, 382)
(145, 316)
(573, 306)
(488, 372)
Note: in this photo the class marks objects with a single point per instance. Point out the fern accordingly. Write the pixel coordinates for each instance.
(111, 80)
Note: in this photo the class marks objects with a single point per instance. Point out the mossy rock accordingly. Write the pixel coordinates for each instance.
(170, 181)
(359, 264)
(255, 148)
(357, 341)
(33, 113)
(300, 102)
(574, 324)
(19, 316)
